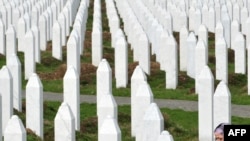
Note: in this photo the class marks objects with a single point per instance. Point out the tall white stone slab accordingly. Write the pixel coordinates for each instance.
(64, 124)
(121, 63)
(183, 35)
(198, 21)
(240, 54)
(212, 19)
(205, 15)
(191, 44)
(15, 130)
(205, 104)
(14, 66)
(236, 12)
(183, 20)
(6, 91)
(10, 42)
(73, 55)
(97, 48)
(222, 104)
(2, 37)
(34, 105)
(165, 136)
(43, 34)
(144, 56)
(71, 93)
(152, 124)
(16, 16)
(29, 54)
(110, 130)
(235, 29)
(226, 22)
(62, 21)
(143, 98)
(36, 33)
(248, 32)
(78, 27)
(57, 41)
(34, 16)
(138, 77)
(201, 55)
(191, 19)
(163, 51)
(203, 34)
(221, 60)
(4, 16)
(219, 31)
(172, 69)
(106, 107)
(21, 31)
(243, 18)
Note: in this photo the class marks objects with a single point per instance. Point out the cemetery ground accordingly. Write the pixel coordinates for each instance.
(181, 124)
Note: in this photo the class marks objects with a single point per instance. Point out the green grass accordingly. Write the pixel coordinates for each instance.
(181, 124)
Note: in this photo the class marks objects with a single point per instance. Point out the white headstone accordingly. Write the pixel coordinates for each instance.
(183, 48)
(221, 56)
(235, 29)
(14, 66)
(107, 106)
(21, 31)
(144, 59)
(62, 21)
(248, 32)
(143, 98)
(64, 124)
(110, 130)
(205, 15)
(15, 130)
(57, 41)
(226, 22)
(152, 124)
(2, 37)
(10, 42)
(165, 136)
(6, 91)
(198, 21)
(203, 35)
(172, 68)
(212, 19)
(205, 104)
(97, 48)
(191, 44)
(121, 63)
(240, 54)
(34, 105)
(71, 93)
(29, 54)
(201, 55)
(36, 33)
(104, 80)
(73, 54)
(222, 104)
(192, 19)
(43, 33)
(236, 12)
(243, 18)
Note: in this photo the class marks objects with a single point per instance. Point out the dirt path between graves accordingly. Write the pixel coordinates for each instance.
(237, 110)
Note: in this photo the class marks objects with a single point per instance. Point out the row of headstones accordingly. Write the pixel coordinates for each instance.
(146, 119)
(135, 35)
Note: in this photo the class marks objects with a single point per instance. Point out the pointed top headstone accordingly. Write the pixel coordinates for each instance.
(139, 74)
(104, 66)
(206, 73)
(165, 136)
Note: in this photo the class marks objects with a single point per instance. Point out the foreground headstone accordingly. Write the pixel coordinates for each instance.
(106, 107)
(34, 105)
(221, 60)
(64, 124)
(152, 124)
(110, 130)
(138, 77)
(143, 98)
(222, 104)
(15, 130)
(6, 91)
(14, 66)
(71, 93)
(165, 136)
(205, 104)
(103, 80)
